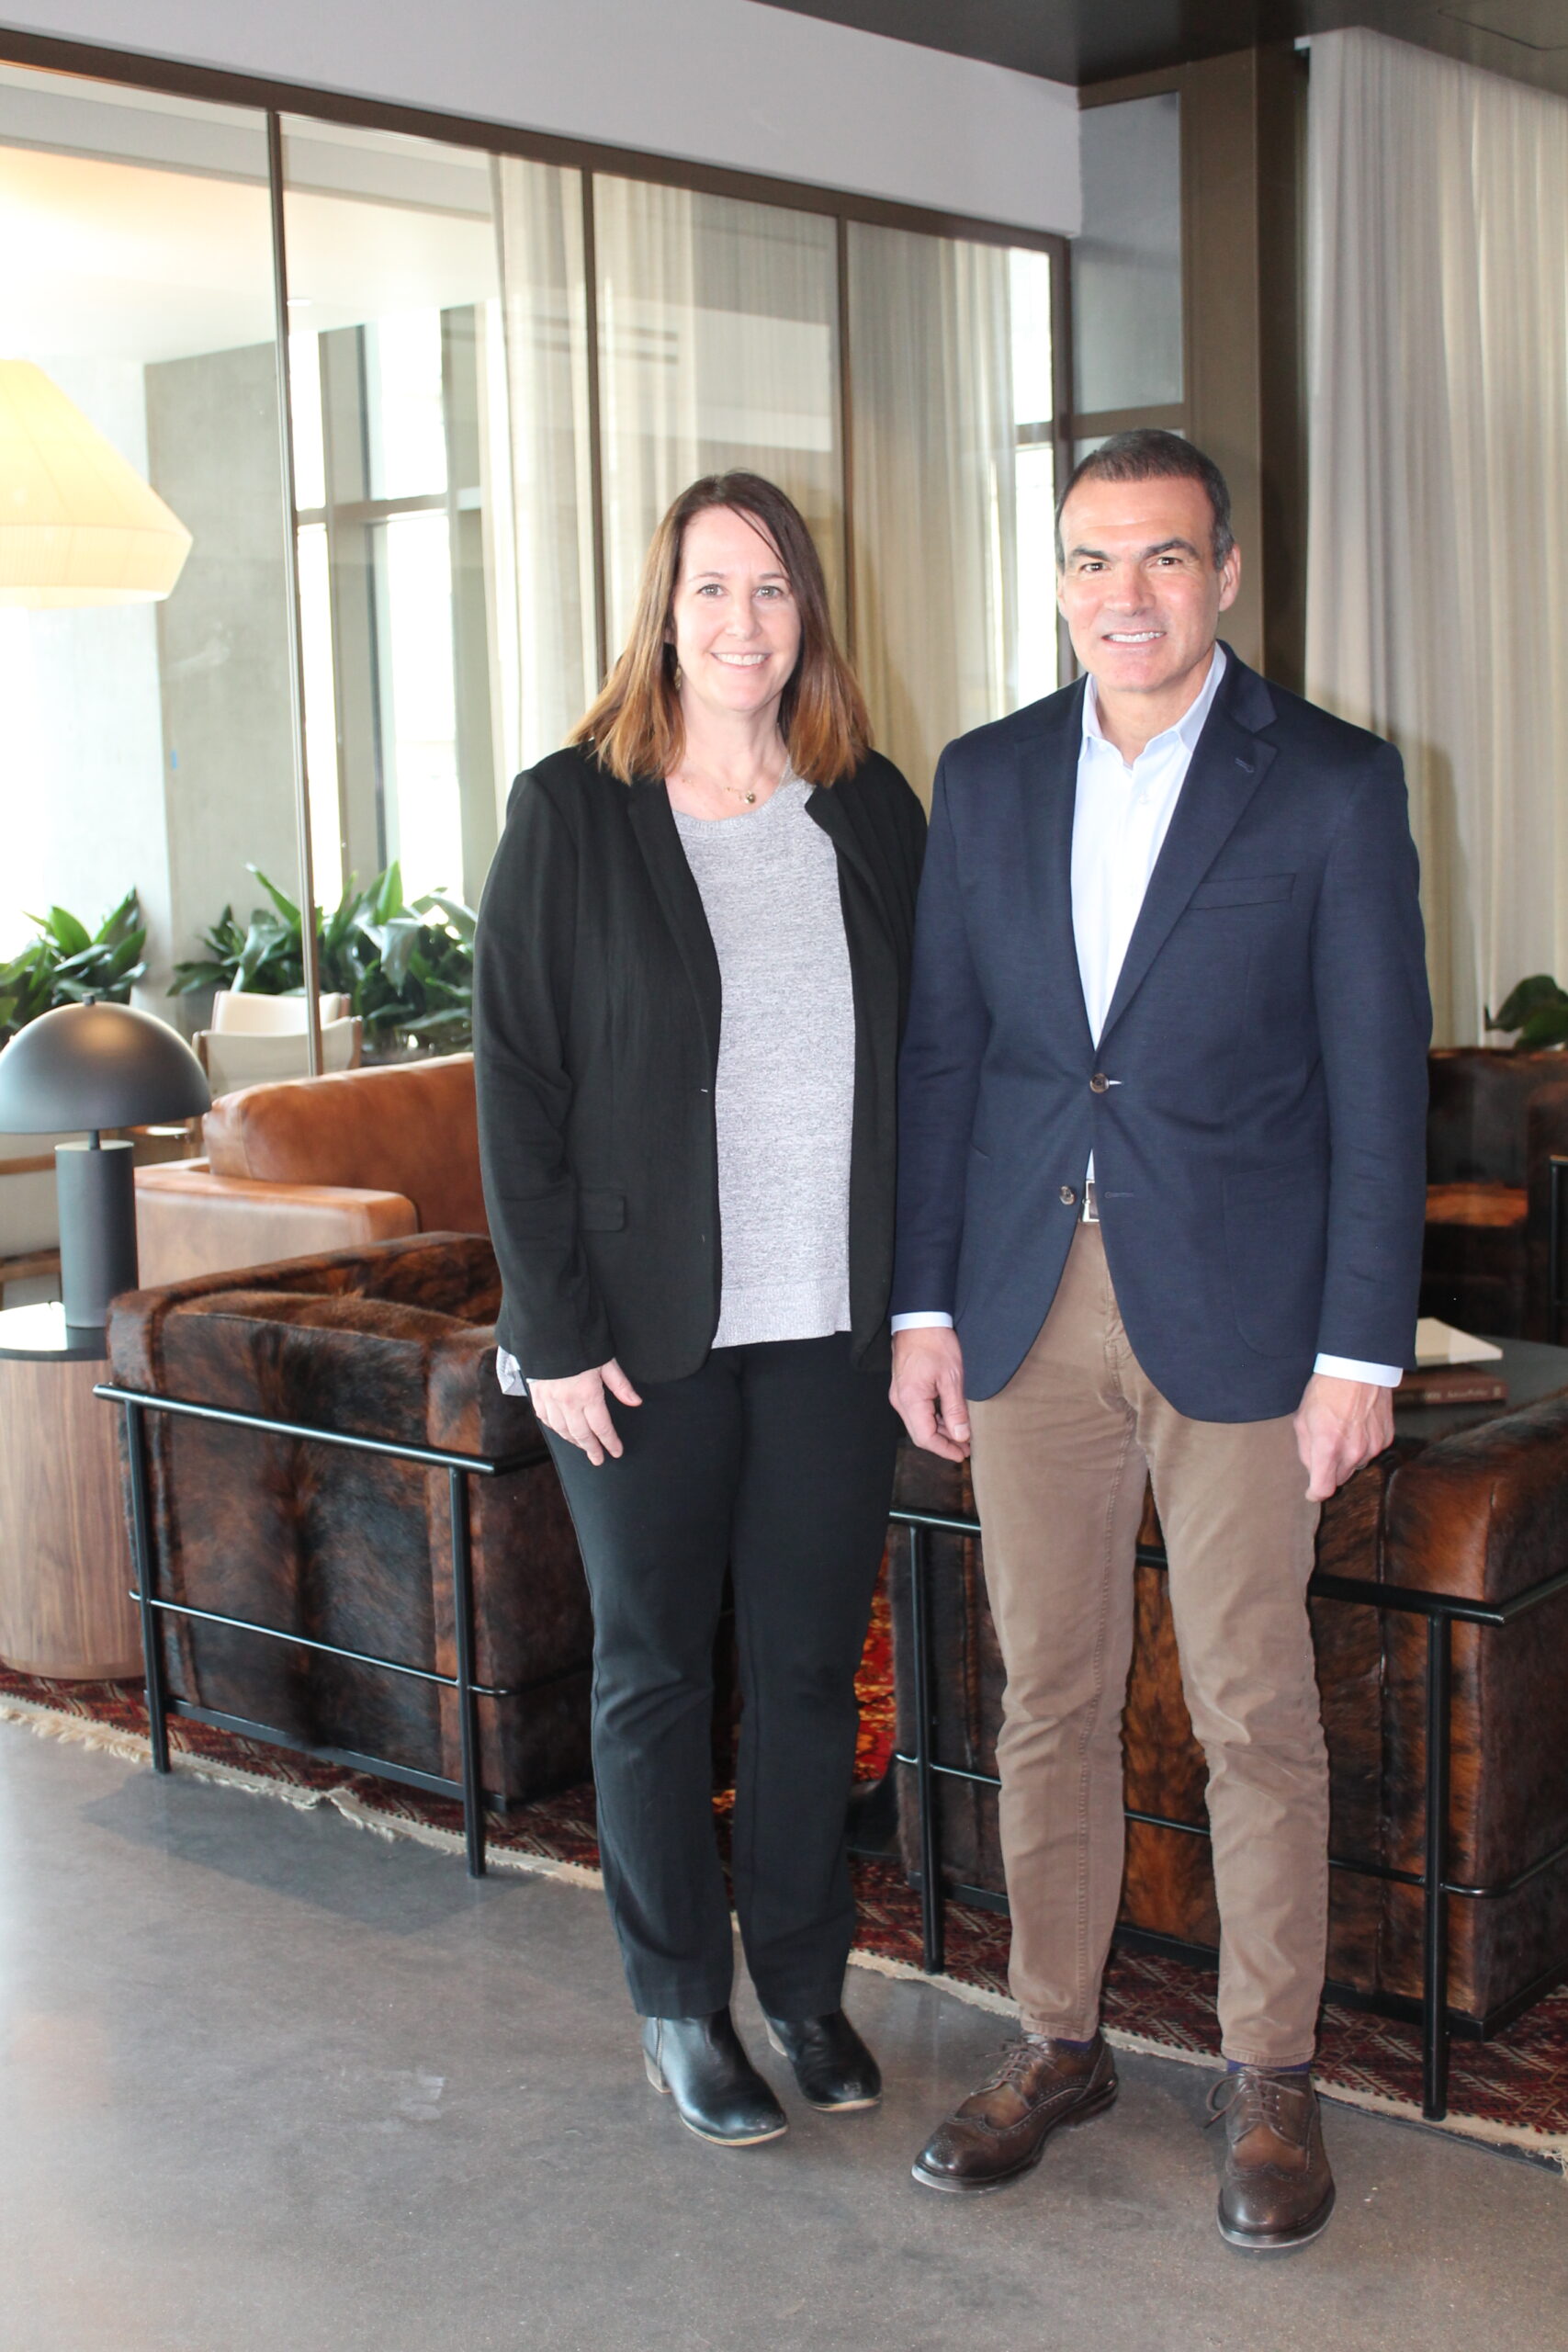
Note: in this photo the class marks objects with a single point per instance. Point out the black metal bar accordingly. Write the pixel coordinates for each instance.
(1555, 1164)
(141, 1556)
(485, 1466)
(1404, 1598)
(933, 1920)
(1411, 1600)
(1434, 1901)
(1202, 1829)
(349, 1760)
(468, 1709)
(324, 1649)
(1509, 1885)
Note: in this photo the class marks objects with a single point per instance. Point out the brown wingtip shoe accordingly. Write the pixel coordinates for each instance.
(1000, 2131)
(1278, 2191)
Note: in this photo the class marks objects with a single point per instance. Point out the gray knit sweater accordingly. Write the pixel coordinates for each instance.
(784, 1098)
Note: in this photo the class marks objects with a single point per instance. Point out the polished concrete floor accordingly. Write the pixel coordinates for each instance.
(275, 2085)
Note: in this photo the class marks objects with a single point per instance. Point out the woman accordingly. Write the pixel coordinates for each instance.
(690, 981)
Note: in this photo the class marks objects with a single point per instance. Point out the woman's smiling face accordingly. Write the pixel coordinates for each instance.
(733, 618)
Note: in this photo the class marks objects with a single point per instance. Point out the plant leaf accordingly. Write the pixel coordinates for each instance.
(1528, 997)
(286, 907)
(1547, 1026)
(69, 934)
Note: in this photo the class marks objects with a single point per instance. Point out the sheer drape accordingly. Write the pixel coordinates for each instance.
(1436, 595)
(718, 326)
(935, 506)
(717, 348)
(539, 501)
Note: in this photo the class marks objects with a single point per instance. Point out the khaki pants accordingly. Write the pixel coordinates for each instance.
(1059, 1461)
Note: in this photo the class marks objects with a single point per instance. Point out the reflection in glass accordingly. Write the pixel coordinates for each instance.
(717, 331)
(394, 281)
(150, 747)
(950, 472)
(405, 412)
(419, 750)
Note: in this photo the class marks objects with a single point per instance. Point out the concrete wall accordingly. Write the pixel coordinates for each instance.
(726, 82)
(223, 636)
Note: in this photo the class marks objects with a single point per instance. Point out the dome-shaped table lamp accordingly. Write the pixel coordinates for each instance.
(90, 1066)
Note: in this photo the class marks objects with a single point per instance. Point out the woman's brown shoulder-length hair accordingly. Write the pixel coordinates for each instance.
(635, 727)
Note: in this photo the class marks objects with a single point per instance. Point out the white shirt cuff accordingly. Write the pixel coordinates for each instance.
(922, 1322)
(509, 1373)
(1379, 1375)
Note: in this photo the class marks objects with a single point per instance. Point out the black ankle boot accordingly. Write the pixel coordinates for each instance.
(835, 2070)
(718, 2092)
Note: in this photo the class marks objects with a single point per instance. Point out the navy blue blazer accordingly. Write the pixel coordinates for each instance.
(1260, 1160)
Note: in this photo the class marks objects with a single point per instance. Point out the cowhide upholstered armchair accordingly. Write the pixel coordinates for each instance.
(394, 1341)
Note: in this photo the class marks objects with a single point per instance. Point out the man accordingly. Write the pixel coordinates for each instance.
(1161, 1192)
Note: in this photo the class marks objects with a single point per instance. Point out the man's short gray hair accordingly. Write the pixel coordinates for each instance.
(1150, 454)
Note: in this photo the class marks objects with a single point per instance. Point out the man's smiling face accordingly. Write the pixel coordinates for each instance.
(1139, 587)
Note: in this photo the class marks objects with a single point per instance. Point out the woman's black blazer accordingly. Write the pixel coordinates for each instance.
(596, 1020)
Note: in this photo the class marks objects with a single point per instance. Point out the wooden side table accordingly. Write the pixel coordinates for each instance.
(65, 1574)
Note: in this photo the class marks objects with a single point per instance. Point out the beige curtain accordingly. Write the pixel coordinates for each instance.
(538, 495)
(935, 504)
(1436, 594)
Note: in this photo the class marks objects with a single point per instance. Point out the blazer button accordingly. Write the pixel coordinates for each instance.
(1068, 1197)
(1099, 1083)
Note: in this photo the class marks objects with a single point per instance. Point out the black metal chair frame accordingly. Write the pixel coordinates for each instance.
(1556, 1256)
(1442, 1612)
(161, 1705)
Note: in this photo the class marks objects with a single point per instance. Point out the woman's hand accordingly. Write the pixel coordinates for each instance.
(579, 1410)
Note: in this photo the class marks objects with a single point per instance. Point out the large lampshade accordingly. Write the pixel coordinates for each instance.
(92, 1065)
(89, 1065)
(78, 526)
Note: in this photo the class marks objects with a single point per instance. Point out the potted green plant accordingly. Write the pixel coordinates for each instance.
(67, 964)
(407, 972)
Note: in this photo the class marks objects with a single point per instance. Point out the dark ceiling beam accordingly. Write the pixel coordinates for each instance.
(1084, 41)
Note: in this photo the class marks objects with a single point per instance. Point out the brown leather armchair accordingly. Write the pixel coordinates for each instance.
(1495, 1118)
(309, 1164)
(392, 1342)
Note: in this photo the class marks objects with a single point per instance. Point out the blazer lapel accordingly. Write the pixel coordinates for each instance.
(1048, 785)
(1227, 767)
(679, 901)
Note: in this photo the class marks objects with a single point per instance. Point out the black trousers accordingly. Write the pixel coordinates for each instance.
(775, 1462)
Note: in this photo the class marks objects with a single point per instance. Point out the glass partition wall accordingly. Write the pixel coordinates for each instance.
(150, 747)
(498, 370)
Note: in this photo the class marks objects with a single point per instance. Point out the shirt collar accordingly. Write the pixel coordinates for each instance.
(1185, 730)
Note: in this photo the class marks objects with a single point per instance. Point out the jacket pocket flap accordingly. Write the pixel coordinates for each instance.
(601, 1212)
(1243, 890)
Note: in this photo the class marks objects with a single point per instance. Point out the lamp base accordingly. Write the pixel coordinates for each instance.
(97, 1227)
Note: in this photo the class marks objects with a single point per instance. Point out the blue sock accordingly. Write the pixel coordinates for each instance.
(1234, 2066)
(1063, 2043)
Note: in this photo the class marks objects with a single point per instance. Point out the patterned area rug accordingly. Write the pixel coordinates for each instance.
(1511, 2092)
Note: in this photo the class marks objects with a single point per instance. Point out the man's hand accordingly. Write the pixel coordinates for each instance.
(579, 1410)
(1339, 1425)
(928, 1390)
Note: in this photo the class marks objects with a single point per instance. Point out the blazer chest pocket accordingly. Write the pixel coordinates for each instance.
(600, 1211)
(1243, 890)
